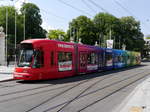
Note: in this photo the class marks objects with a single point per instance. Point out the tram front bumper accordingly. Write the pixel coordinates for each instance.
(23, 76)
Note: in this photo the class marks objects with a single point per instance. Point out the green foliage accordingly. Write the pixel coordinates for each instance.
(10, 11)
(105, 26)
(57, 34)
(106, 23)
(147, 37)
(82, 27)
(125, 30)
(131, 34)
(33, 21)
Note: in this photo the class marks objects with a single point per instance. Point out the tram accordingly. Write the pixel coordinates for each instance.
(41, 59)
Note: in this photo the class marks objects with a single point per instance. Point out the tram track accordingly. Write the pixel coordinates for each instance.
(93, 103)
(18, 97)
(8, 84)
(33, 89)
(61, 93)
(81, 95)
(73, 98)
(33, 93)
(68, 88)
(26, 90)
(36, 88)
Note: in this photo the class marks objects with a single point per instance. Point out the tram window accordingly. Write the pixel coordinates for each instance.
(83, 59)
(64, 61)
(116, 59)
(64, 56)
(119, 59)
(100, 60)
(108, 57)
(92, 58)
(123, 58)
(38, 59)
(52, 58)
(60, 56)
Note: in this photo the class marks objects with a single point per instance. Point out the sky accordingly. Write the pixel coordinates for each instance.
(56, 14)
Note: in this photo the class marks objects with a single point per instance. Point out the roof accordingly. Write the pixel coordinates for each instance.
(36, 41)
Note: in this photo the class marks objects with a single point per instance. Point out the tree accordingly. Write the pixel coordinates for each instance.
(10, 11)
(57, 34)
(33, 24)
(104, 24)
(132, 36)
(82, 27)
(33, 21)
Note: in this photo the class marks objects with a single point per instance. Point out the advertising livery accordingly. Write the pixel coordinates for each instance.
(41, 59)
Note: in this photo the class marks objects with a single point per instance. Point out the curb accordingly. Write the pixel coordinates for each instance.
(128, 104)
(6, 80)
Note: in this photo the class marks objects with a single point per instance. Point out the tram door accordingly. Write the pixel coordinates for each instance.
(83, 62)
(101, 61)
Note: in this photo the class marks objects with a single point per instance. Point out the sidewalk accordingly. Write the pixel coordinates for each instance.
(6, 72)
(138, 100)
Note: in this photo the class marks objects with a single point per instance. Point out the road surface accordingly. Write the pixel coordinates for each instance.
(98, 92)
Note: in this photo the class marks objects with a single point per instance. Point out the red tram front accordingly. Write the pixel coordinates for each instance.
(45, 59)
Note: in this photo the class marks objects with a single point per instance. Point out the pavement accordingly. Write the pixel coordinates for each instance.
(138, 100)
(6, 73)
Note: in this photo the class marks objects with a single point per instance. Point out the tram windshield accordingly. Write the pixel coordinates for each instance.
(25, 57)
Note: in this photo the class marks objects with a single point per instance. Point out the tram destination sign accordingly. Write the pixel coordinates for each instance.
(65, 46)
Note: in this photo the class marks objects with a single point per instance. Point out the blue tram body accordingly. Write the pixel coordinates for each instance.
(125, 58)
(108, 59)
(101, 58)
(118, 58)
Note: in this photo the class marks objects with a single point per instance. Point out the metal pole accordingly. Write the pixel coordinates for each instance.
(15, 29)
(110, 33)
(100, 39)
(24, 21)
(15, 34)
(70, 31)
(74, 35)
(24, 25)
(119, 42)
(77, 36)
(6, 32)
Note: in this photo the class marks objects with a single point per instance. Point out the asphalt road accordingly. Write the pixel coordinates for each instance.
(98, 92)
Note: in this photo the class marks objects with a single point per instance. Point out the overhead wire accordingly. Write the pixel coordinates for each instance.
(52, 14)
(129, 12)
(73, 7)
(125, 9)
(46, 18)
(89, 6)
(99, 6)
